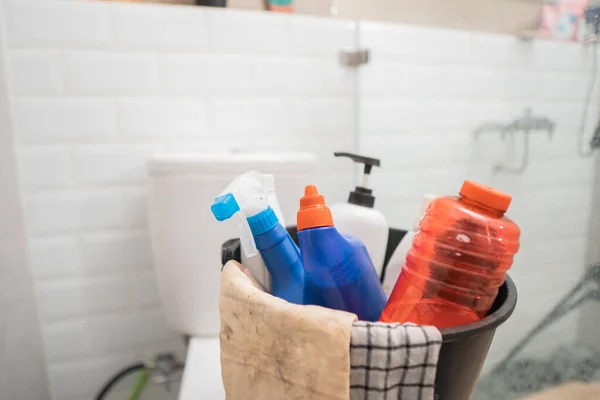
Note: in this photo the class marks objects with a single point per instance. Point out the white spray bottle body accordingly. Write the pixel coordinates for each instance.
(255, 263)
(247, 195)
(398, 258)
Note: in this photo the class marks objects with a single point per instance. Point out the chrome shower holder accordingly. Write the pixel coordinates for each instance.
(526, 124)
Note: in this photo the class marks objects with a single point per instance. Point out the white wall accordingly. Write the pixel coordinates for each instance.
(422, 96)
(22, 361)
(97, 87)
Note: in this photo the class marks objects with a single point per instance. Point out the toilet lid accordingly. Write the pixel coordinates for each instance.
(215, 163)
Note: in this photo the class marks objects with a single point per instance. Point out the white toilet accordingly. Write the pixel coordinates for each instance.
(186, 242)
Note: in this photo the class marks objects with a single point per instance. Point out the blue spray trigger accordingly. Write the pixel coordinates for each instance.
(224, 207)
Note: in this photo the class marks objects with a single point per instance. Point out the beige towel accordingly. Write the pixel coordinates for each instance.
(271, 349)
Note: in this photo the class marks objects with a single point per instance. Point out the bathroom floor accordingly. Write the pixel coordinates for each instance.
(526, 376)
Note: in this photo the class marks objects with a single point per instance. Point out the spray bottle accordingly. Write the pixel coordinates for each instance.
(246, 200)
(255, 264)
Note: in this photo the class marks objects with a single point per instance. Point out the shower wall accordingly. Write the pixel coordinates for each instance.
(423, 94)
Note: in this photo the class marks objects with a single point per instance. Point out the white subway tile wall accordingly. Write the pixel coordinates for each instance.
(57, 24)
(36, 73)
(422, 95)
(99, 87)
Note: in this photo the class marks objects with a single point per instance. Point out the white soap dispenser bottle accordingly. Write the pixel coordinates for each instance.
(396, 262)
(358, 218)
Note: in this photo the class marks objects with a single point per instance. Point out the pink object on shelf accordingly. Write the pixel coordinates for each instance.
(563, 20)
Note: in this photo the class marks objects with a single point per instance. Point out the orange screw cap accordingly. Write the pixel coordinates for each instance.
(313, 211)
(486, 195)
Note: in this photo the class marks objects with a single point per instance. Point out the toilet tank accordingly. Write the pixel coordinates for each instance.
(186, 239)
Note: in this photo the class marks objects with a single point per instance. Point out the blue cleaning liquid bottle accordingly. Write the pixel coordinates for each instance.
(339, 273)
(246, 200)
(280, 254)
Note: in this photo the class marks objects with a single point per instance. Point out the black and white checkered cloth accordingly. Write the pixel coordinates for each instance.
(393, 361)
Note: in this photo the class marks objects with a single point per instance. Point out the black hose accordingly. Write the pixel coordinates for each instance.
(117, 377)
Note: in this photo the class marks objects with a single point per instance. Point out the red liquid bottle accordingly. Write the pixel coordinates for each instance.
(458, 260)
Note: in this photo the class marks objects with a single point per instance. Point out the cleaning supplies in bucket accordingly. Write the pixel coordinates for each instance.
(247, 200)
(339, 273)
(458, 260)
(358, 218)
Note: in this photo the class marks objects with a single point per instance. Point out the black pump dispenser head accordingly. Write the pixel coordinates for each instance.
(362, 195)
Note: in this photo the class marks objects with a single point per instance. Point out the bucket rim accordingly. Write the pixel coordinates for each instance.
(508, 291)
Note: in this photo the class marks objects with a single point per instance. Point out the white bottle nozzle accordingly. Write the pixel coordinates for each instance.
(245, 196)
(425, 202)
(246, 238)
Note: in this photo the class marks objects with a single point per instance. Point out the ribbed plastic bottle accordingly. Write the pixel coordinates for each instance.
(458, 260)
(339, 273)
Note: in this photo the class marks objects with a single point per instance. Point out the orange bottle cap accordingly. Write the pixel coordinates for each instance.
(486, 195)
(313, 212)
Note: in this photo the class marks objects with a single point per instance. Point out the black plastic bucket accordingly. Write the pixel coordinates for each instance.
(464, 348)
